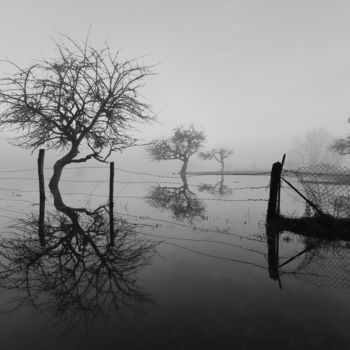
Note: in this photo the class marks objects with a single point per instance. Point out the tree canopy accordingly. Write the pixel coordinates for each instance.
(84, 97)
(219, 154)
(181, 145)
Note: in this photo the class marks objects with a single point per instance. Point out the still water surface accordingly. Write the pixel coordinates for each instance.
(203, 281)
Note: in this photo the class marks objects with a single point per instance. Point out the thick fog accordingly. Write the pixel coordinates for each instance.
(256, 76)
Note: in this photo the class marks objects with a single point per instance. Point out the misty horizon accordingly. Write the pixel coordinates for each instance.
(175, 174)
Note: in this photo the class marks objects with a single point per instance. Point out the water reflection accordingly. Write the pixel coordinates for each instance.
(183, 203)
(219, 188)
(321, 262)
(78, 275)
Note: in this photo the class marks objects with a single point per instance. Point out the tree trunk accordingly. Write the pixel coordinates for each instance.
(222, 166)
(221, 185)
(184, 166)
(57, 172)
(184, 181)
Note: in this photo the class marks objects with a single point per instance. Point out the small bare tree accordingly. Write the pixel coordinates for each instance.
(181, 145)
(86, 98)
(219, 154)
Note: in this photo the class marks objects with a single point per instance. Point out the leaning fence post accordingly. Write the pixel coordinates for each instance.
(272, 209)
(111, 203)
(42, 196)
(279, 187)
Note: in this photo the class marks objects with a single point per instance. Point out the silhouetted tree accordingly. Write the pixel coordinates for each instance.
(86, 98)
(219, 154)
(181, 145)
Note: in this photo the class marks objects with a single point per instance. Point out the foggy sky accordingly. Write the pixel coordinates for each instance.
(252, 74)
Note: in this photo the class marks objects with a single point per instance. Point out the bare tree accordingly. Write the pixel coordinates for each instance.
(181, 145)
(86, 98)
(219, 154)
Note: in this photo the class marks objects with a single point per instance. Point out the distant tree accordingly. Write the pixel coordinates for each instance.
(181, 145)
(219, 154)
(342, 145)
(86, 98)
(314, 147)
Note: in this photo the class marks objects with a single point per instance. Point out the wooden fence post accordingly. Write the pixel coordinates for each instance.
(42, 196)
(279, 188)
(275, 182)
(111, 203)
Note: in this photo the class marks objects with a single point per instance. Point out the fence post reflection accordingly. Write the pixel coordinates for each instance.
(111, 203)
(273, 252)
(42, 196)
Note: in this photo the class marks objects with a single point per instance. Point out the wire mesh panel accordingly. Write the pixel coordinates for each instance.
(326, 266)
(328, 187)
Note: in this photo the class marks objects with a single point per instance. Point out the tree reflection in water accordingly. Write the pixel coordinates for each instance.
(183, 203)
(218, 189)
(78, 275)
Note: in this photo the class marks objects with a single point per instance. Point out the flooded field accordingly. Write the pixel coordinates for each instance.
(192, 267)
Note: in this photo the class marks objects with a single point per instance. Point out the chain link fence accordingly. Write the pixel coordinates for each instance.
(326, 265)
(327, 187)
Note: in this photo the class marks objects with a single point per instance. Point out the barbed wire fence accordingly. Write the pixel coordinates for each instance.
(11, 195)
(328, 187)
(92, 181)
(154, 179)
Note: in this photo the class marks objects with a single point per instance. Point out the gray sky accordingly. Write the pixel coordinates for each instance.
(253, 74)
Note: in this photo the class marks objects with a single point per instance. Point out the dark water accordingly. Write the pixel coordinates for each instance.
(192, 268)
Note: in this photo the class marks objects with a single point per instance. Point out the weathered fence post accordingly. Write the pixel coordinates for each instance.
(279, 187)
(111, 203)
(275, 183)
(42, 196)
